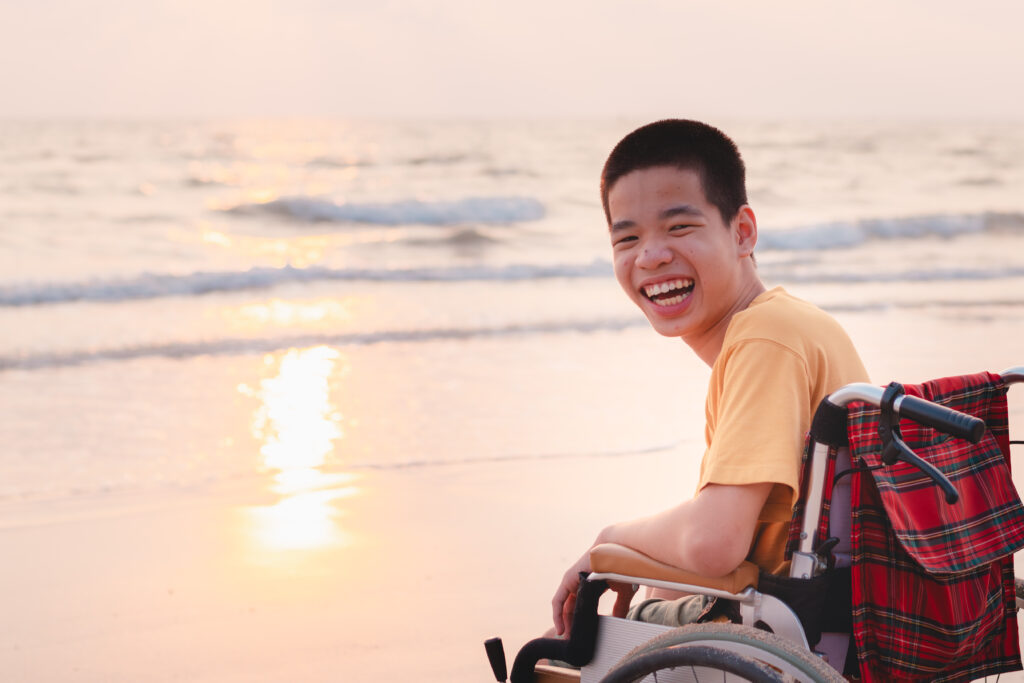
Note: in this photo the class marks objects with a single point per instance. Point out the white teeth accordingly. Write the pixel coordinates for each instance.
(665, 287)
(671, 301)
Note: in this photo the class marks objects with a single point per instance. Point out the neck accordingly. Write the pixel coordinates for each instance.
(708, 345)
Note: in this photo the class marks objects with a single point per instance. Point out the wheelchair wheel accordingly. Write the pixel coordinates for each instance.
(777, 653)
(695, 662)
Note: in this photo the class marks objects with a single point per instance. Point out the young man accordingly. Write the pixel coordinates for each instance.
(683, 241)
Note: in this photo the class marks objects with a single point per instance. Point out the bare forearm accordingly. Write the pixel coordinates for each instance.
(665, 536)
(710, 534)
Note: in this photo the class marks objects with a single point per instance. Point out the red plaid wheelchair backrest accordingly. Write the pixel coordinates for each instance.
(932, 583)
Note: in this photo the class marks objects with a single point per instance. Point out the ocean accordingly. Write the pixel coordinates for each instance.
(178, 299)
(267, 387)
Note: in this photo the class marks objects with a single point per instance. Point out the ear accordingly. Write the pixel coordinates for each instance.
(745, 230)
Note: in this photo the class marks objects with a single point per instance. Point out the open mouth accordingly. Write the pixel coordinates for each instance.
(670, 292)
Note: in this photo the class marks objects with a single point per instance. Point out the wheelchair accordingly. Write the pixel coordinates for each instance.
(833, 618)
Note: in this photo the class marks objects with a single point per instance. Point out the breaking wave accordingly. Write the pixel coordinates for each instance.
(240, 346)
(153, 286)
(473, 210)
(261, 345)
(913, 275)
(845, 235)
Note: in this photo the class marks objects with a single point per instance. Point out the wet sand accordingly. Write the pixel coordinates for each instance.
(422, 566)
(370, 575)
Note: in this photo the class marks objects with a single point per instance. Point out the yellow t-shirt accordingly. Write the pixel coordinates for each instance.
(781, 356)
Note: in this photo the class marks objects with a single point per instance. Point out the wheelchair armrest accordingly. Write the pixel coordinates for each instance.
(612, 558)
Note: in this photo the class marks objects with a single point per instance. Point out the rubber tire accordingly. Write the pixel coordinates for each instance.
(802, 664)
(632, 669)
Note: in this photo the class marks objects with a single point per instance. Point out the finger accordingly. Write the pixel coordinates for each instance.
(566, 592)
(622, 600)
(562, 596)
(556, 611)
(567, 611)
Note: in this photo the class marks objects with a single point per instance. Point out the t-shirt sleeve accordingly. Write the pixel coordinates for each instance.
(758, 412)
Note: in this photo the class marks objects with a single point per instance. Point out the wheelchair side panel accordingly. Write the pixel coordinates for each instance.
(615, 639)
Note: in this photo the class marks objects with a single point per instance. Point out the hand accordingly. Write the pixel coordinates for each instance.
(564, 603)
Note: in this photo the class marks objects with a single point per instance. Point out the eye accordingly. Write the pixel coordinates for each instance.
(625, 240)
(680, 227)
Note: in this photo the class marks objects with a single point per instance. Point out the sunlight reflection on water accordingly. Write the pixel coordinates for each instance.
(298, 426)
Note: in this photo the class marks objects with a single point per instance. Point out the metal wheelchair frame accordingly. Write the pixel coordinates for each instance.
(614, 642)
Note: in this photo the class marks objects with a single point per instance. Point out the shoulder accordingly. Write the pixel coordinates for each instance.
(784, 341)
(779, 318)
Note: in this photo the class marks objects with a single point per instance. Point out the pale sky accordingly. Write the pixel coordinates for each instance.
(793, 59)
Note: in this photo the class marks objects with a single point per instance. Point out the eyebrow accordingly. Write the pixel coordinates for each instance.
(671, 212)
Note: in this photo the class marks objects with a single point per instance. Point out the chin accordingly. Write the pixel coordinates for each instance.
(666, 328)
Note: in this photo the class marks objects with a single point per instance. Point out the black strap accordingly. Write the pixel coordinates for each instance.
(829, 424)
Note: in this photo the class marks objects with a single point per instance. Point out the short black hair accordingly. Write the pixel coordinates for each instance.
(683, 144)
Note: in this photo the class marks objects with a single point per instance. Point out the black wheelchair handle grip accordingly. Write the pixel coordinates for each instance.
(939, 417)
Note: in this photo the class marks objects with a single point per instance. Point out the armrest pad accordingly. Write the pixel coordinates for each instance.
(618, 559)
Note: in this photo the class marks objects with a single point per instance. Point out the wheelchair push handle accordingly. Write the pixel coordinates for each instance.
(933, 415)
(953, 422)
(894, 405)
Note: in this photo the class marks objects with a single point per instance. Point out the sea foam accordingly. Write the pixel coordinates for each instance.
(157, 285)
(845, 235)
(472, 210)
(836, 236)
(261, 345)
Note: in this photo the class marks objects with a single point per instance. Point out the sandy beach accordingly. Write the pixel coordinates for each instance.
(337, 401)
(369, 575)
(420, 568)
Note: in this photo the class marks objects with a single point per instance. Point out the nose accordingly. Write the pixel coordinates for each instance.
(653, 254)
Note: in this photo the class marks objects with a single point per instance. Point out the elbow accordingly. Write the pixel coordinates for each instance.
(714, 555)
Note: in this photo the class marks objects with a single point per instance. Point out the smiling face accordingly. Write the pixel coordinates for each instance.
(676, 258)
